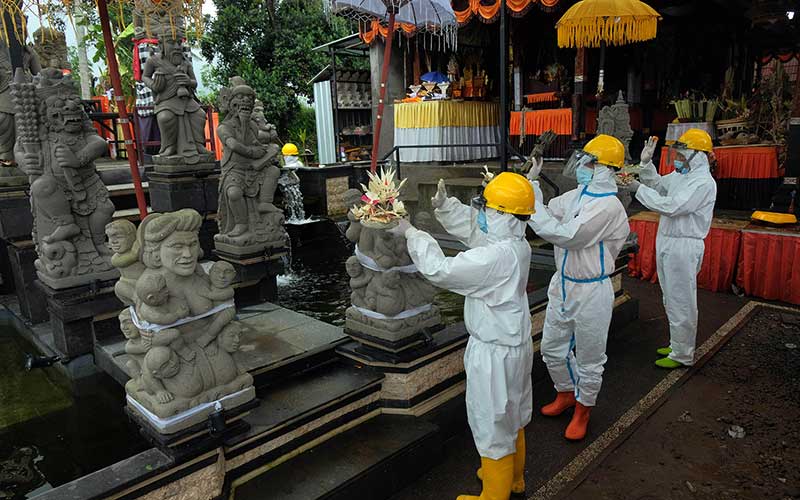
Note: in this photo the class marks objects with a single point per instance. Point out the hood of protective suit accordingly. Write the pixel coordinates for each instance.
(503, 226)
(603, 180)
(698, 165)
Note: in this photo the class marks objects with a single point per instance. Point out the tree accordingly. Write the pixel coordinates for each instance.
(268, 43)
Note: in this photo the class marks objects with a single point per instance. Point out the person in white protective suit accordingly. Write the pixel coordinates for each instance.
(492, 275)
(588, 227)
(685, 200)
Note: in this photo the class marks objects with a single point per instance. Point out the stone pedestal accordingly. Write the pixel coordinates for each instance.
(178, 164)
(32, 303)
(72, 312)
(16, 220)
(256, 275)
(197, 190)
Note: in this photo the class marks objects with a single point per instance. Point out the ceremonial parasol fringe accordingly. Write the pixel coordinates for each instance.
(589, 32)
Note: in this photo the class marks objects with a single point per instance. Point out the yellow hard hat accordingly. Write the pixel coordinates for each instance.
(696, 139)
(289, 149)
(511, 193)
(607, 149)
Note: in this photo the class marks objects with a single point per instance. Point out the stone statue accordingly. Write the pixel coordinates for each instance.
(390, 299)
(615, 120)
(122, 241)
(56, 147)
(181, 330)
(248, 220)
(9, 173)
(181, 120)
(150, 18)
(50, 45)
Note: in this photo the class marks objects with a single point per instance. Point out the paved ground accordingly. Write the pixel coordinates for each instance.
(686, 450)
(629, 375)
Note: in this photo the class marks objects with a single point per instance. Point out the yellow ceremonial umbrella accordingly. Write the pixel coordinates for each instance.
(595, 23)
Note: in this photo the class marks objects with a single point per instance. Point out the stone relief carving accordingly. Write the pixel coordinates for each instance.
(9, 174)
(615, 120)
(181, 330)
(181, 120)
(248, 220)
(122, 241)
(390, 300)
(56, 147)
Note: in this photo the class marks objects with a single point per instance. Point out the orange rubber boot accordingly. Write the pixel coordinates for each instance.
(576, 430)
(563, 401)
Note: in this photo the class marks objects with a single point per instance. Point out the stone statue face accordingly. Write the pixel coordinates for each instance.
(128, 329)
(119, 241)
(243, 104)
(64, 114)
(221, 276)
(353, 267)
(169, 368)
(229, 340)
(172, 50)
(179, 253)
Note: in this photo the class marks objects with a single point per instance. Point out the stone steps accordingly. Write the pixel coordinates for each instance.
(372, 461)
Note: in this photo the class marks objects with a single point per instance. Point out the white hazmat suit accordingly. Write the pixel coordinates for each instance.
(686, 205)
(588, 227)
(492, 276)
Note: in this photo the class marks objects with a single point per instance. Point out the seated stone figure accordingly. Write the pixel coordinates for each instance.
(189, 363)
(122, 241)
(69, 202)
(248, 219)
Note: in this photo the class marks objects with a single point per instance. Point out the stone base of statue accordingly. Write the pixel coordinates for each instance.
(16, 219)
(392, 335)
(11, 176)
(233, 248)
(77, 281)
(181, 164)
(72, 313)
(256, 274)
(32, 301)
(170, 192)
(243, 392)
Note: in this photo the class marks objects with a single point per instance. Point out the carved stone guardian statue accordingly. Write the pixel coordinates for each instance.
(181, 120)
(249, 222)
(615, 120)
(391, 302)
(56, 147)
(10, 175)
(180, 329)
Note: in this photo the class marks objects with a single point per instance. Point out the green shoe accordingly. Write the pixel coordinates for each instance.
(664, 351)
(668, 363)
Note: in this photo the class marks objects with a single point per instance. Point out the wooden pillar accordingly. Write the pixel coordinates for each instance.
(577, 95)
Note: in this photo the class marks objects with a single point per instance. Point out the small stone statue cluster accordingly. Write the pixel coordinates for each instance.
(180, 321)
(390, 299)
(181, 120)
(249, 222)
(56, 146)
(615, 120)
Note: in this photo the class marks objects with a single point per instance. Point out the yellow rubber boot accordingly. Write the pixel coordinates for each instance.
(518, 484)
(497, 478)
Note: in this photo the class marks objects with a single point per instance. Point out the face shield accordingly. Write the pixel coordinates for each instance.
(679, 156)
(577, 159)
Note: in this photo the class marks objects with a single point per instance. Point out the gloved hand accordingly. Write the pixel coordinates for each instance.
(536, 168)
(649, 149)
(441, 195)
(632, 186)
(401, 227)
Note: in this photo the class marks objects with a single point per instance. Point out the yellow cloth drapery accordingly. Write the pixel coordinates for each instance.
(430, 114)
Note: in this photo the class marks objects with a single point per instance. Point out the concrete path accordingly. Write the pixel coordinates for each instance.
(630, 374)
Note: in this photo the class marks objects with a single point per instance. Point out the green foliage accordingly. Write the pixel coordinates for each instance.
(268, 43)
(302, 130)
(123, 44)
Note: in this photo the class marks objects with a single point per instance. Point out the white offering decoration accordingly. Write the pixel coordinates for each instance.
(487, 176)
(382, 206)
(627, 174)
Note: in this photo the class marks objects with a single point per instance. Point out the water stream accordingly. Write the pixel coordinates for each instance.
(293, 198)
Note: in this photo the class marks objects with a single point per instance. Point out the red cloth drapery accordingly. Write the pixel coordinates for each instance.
(719, 261)
(539, 121)
(488, 12)
(541, 97)
(137, 66)
(769, 264)
(369, 32)
(738, 162)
